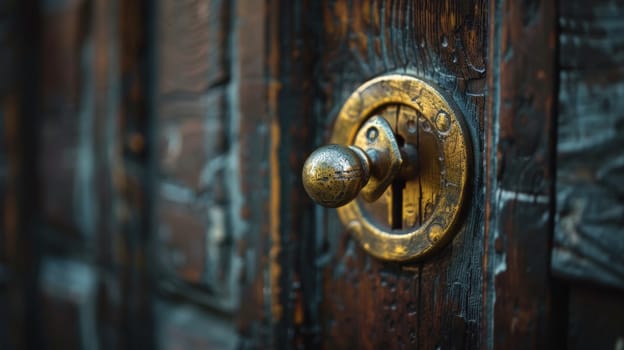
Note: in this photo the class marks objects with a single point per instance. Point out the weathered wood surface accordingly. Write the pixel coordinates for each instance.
(90, 206)
(366, 303)
(292, 57)
(101, 164)
(171, 147)
(194, 245)
(79, 279)
(255, 148)
(589, 241)
(198, 250)
(521, 301)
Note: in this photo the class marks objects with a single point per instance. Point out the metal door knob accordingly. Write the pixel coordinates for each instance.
(334, 175)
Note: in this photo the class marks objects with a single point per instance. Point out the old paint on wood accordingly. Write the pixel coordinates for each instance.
(588, 242)
(588, 245)
(252, 120)
(294, 50)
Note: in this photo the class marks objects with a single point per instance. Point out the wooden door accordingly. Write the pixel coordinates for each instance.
(538, 83)
(331, 293)
(326, 291)
(150, 175)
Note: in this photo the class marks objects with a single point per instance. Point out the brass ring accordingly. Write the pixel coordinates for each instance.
(455, 160)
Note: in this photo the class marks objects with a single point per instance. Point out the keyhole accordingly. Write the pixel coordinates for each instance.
(397, 195)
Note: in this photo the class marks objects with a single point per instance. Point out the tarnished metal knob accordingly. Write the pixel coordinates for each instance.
(333, 175)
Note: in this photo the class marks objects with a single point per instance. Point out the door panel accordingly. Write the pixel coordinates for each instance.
(523, 306)
(368, 303)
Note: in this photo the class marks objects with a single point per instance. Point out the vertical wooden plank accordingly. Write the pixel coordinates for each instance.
(135, 179)
(196, 252)
(294, 28)
(106, 103)
(68, 139)
(80, 155)
(253, 169)
(272, 100)
(520, 298)
(193, 239)
(437, 302)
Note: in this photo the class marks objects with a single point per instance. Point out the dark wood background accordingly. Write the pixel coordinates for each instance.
(150, 192)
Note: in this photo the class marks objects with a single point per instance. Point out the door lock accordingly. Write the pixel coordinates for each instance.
(397, 167)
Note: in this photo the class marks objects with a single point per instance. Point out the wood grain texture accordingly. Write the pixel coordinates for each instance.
(294, 62)
(273, 111)
(520, 298)
(366, 303)
(128, 96)
(254, 174)
(589, 243)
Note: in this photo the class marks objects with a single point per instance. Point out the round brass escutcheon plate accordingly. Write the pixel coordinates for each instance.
(432, 204)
